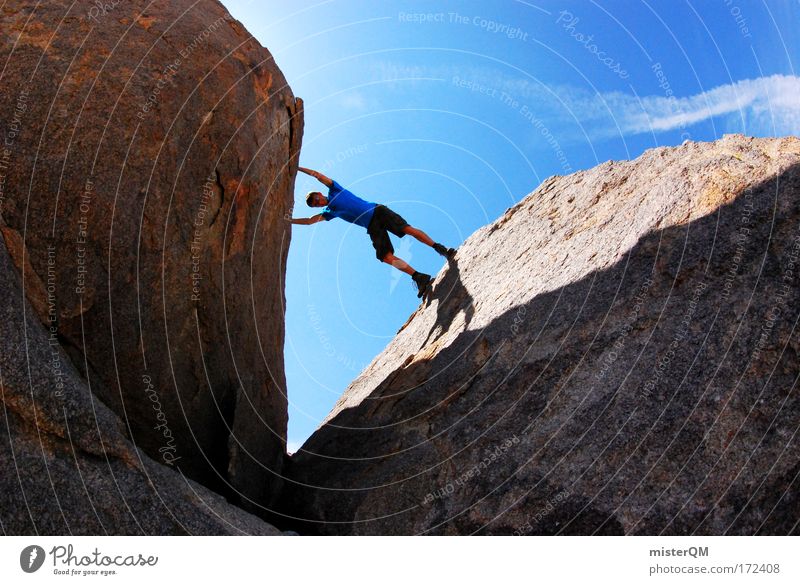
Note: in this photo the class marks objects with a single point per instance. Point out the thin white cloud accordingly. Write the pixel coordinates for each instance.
(759, 103)
(389, 71)
(353, 100)
(762, 106)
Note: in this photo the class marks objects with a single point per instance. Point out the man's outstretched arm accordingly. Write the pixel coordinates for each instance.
(317, 175)
(306, 220)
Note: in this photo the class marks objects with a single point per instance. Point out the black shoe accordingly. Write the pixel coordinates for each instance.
(423, 282)
(446, 252)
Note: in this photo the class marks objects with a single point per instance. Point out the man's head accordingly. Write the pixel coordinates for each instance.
(316, 199)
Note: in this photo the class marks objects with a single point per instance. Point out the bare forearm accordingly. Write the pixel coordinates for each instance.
(305, 220)
(317, 175)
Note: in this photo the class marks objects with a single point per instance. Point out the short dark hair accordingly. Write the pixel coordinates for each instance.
(309, 197)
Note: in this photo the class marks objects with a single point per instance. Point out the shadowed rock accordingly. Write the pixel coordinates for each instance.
(65, 462)
(150, 159)
(617, 354)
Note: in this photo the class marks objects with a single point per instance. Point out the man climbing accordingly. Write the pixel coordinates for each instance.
(378, 219)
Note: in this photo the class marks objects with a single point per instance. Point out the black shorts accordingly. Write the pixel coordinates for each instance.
(383, 221)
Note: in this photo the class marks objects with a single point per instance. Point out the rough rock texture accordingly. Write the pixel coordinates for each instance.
(65, 462)
(148, 163)
(618, 353)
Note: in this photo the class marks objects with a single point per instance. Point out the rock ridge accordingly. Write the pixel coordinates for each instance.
(630, 368)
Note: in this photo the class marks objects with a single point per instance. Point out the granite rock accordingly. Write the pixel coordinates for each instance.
(616, 354)
(66, 464)
(149, 161)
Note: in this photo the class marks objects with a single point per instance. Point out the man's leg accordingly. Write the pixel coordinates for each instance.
(419, 234)
(398, 263)
(421, 280)
(426, 239)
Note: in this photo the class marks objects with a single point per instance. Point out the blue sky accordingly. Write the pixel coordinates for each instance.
(451, 112)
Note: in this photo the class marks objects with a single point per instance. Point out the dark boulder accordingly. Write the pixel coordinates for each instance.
(149, 159)
(66, 464)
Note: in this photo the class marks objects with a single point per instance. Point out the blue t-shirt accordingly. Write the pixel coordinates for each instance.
(342, 203)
